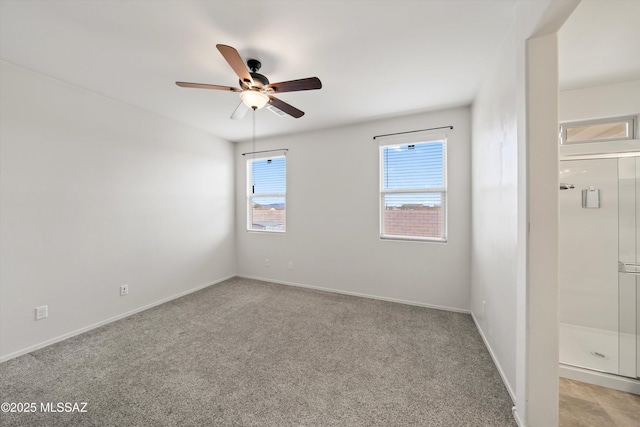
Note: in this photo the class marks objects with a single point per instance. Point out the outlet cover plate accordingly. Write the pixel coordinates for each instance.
(42, 312)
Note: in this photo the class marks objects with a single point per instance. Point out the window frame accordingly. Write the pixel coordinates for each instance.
(406, 140)
(630, 121)
(250, 195)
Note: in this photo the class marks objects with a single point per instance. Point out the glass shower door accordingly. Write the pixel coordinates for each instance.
(588, 259)
(598, 254)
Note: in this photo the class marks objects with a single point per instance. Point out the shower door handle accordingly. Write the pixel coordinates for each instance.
(628, 268)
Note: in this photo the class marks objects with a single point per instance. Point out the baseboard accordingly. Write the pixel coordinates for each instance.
(516, 416)
(106, 321)
(495, 362)
(356, 294)
(603, 379)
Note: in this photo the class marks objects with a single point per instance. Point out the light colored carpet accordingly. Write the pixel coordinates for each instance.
(250, 353)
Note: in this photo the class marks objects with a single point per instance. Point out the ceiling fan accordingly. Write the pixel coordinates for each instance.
(255, 89)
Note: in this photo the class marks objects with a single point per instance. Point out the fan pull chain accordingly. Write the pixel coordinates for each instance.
(253, 119)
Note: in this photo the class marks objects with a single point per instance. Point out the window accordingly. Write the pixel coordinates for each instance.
(413, 189)
(266, 194)
(600, 130)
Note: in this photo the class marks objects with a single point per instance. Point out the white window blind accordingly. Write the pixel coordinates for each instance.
(413, 188)
(266, 194)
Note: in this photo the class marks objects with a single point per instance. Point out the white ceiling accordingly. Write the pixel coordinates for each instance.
(376, 59)
(600, 44)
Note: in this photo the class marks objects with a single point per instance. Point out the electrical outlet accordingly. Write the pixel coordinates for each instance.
(290, 265)
(124, 290)
(42, 312)
(266, 262)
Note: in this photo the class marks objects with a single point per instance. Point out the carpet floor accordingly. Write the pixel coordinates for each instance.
(251, 353)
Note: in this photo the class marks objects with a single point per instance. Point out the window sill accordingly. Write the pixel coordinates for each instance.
(413, 239)
(266, 231)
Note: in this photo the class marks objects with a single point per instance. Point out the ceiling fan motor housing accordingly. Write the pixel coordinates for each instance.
(258, 79)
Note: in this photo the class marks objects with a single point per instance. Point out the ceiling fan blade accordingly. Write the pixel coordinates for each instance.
(309, 83)
(206, 86)
(240, 111)
(233, 58)
(287, 108)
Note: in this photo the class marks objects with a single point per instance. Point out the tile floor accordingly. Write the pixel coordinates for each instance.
(587, 405)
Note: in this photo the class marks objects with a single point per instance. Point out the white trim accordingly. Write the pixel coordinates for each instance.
(495, 362)
(603, 379)
(356, 294)
(414, 139)
(629, 147)
(516, 416)
(251, 195)
(109, 320)
(413, 239)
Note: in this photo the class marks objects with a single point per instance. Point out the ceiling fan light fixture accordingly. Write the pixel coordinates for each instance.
(254, 99)
(255, 89)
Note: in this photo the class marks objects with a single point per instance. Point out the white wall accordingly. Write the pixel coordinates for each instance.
(95, 194)
(513, 114)
(495, 211)
(332, 234)
(600, 101)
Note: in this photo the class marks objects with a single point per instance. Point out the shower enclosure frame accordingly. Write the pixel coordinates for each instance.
(628, 154)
